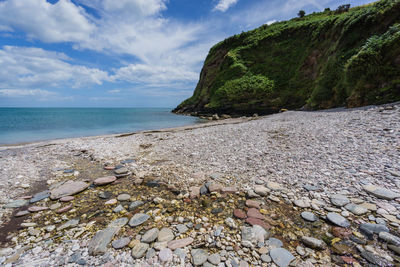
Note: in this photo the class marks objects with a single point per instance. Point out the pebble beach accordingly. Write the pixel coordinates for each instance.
(290, 189)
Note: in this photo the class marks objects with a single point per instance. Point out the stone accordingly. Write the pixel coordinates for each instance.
(373, 228)
(121, 243)
(39, 196)
(337, 219)
(229, 190)
(230, 222)
(98, 244)
(310, 187)
(274, 186)
(104, 180)
(386, 206)
(395, 249)
(341, 232)
(255, 221)
(356, 209)
(259, 233)
(180, 243)
(139, 250)
(150, 253)
(265, 258)
(194, 192)
(123, 197)
(203, 190)
(214, 187)
(302, 203)
(160, 245)
(313, 242)
(369, 206)
(214, 258)
(121, 171)
(240, 214)
(389, 238)
(16, 204)
(255, 213)
(135, 204)
(180, 253)
(372, 258)
(37, 208)
(182, 228)
(199, 256)
(126, 161)
(341, 248)
(64, 209)
(165, 234)
(22, 213)
(67, 199)
(150, 235)
(273, 243)
(70, 223)
(138, 219)
(67, 189)
(253, 204)
(381, 192)
(261, 190)
(281, 257)
(165, 255)
(309, 216)
(339, 200)
(118, 209)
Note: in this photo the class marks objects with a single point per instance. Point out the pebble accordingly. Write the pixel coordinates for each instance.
(67, 189)
(123, 197)
(339, 200)
(37, 208)
(67, 199)
(104, 180)
(180, 243)
(138, 219)
(313, 242)
(121, 243)
(165, 255)
(150, 253)
(16, 204)
(39, 196)
(381, 192)
(261, 190)
(356, 209)
(150, 235)
(309, 216)
(165, 234)
(182, 228)
(389, 238)
(230, 222)
(238, 213)
(265, 258)
(139, 250)
(199, 256)
(281, 257)
(121, 171)
(64, 209)
(22, 213)
(337, 219)
(273, 243)
(214, 258)
(118, 209)
(111, 202)
(302, 203)
(136, 204)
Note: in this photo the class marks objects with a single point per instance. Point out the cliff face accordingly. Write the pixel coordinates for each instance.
(323, 60)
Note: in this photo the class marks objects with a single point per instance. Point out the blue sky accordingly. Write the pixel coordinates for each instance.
(120, 53)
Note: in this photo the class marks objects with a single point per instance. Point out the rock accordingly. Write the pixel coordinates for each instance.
(313, 242)
(339, 200)
(194, 192)
(40, 196)
(238, 213)
(254, 213)
(341, 232)
(374, 259)
(165, 255)
(67, 199)
(229, 190)
(253, 204)
(214, 187)
(139, 250)
(273, 243)
(281, 257)
(165, 234)
(341, 248)
(199, 256)
(302, 203)
(123, 197)
(121, 171)
(356, 209)
(230, 222)
(395, 249)
(70, 223)
(265, 258)
(104, 180)
(337, 219)
(389, 238)
(309, 216)
(259, 233)
(203, 190)
(247, 234)
(150, 253)
(105, 194)
(64, 209)
(16, 204)
(67, 189)
(21, 213)
(180, 253)
(160, 245)
(136, 204)
(98, 244)
(118, 209)
(150, 235)
(37, 208)
(214, 258)
(381, 192)
(274, 186)
(261, 190)
(255, 221)
(310, 187)
(138, 219)
(127, 161)
(121, 243)
(182, 228)
(373, 228)
(369, 206)
(180, 243)
(386, 206)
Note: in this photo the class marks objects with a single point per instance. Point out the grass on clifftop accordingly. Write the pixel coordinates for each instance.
(322, 60)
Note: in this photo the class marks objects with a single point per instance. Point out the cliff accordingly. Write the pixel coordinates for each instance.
(323, 60)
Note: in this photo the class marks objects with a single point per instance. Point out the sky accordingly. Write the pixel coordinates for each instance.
(121, 53)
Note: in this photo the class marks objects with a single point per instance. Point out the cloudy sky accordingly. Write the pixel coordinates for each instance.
(120, 53)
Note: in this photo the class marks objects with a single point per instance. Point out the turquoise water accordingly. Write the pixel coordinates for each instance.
(35, 124)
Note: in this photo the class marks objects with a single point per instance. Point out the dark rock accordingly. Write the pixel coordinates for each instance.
(69, 171)
(369, 229)
(203, 190)
(216, 211)
(313, 242)
(40, 196)
(105, 194)
(357, 240)
(153, 184)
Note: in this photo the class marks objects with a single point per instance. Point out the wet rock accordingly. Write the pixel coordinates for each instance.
(150, 235)
(341, 248)
(98, 244)
(37, 208)
(395, 249)
(67, 199)
(356, 209)
(217, 211)
(138, 219)
(165, 234)
(64, 209)
(165, 255)
(238, 213)
(389, 238)
(339, 200)
(104, 180)
(261, 190)
(273, 243)
(281, 257)
(253, 204)
(123, 197)
(121, 243)
(255, 221)
(180, 243)
(381, 192)
(374, 259)
(309, 216)
(340, 232)
(370, 228)
(105, 195)
(313, 242)
(67, 189)
(214, 258)
(255, 213)
(229, 190)
(16, 204)
(136, 204)
(337, 219)
(153, 183)
(139, 250)
(199, 256)
(118, 209)
(40, 196)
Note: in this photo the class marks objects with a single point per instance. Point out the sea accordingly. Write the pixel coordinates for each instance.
(21, 125)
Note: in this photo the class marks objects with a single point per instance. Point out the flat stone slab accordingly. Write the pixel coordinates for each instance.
(16, 204)
(40, 196)
(98, 244)
(180, 243)
(67, 189)
(309, 216)
(281, 257)
(67, 199)
(381, 192)
(339, 200)
(337, 219)
(138, 219)
(104, 180)
(37, 208)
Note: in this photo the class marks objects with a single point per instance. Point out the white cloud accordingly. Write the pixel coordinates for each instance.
(26, 67)
(224, 5)
(25, 92)
(114, 91)
(39, 19)
(271, 21)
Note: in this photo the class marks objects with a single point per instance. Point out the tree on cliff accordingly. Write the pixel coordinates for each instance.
(301, 13)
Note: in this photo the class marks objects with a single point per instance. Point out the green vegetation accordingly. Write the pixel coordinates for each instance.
(347, 57)
(301, 13)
